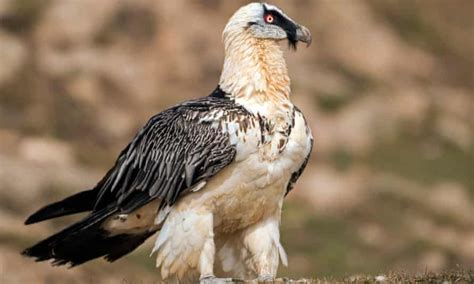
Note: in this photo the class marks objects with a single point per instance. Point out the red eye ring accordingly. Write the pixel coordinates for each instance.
(269, 18)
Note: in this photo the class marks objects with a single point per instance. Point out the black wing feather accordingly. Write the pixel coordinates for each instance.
(296, 175)
(79, 202)
(176, 150)
(173, 152)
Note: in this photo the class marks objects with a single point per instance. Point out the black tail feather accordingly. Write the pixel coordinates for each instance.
(85, 241)
(123, 244)
(80, 202)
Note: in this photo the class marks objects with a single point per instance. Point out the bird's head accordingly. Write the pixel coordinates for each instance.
(265, 21)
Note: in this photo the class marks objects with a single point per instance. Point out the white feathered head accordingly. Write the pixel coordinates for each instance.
(266, 21)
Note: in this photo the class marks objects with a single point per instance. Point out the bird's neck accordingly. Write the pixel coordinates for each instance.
(255, 74)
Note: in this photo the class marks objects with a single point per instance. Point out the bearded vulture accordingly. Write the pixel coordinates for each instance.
(208, 175)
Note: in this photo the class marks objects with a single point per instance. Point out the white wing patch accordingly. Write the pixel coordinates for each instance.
(162, 214)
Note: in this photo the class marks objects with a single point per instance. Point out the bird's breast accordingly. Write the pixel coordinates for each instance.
(253, 186)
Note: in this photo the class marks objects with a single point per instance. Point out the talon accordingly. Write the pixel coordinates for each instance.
(211, 279)
(265, 278)
(207, 279)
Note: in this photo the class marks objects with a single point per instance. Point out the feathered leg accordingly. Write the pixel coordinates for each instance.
(262, 242)
(185, 245)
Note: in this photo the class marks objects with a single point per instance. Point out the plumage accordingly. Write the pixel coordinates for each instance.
(209, 175)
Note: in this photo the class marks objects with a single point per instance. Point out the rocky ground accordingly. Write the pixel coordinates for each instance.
(387, 87)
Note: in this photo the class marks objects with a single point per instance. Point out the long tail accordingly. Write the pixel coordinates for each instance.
(80, 202)
(86, 240)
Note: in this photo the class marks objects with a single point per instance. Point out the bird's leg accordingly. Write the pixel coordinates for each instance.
(206, 263)
(263, 244)
(186, 241)
(206, 259)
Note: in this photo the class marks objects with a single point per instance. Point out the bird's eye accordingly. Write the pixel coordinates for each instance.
(269, 18)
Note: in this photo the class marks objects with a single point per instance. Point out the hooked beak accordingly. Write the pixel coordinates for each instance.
(303, 34)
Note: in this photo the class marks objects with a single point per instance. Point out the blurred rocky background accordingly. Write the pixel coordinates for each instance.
(387, 87)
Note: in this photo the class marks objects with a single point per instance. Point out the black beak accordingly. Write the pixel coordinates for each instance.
(303, 34)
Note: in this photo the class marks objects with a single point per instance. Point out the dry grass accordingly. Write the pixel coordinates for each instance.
(451, 276)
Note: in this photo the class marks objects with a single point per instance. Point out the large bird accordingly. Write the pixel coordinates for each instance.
(209, 175)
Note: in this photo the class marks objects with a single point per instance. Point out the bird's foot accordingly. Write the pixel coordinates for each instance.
(265, 278)
(211, 279)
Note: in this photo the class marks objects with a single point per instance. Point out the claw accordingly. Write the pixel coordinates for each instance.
(211, 279)
(265, 278)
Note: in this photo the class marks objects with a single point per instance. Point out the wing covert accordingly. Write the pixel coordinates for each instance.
(177, 149)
